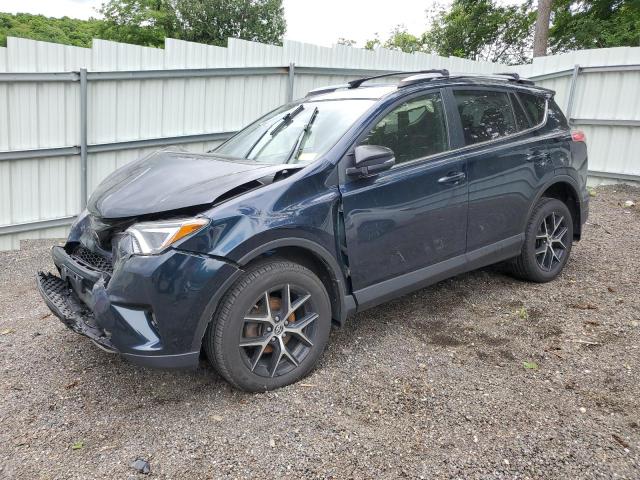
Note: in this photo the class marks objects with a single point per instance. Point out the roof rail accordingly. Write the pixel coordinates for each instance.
(356, 83)
(504, 77)
(424, 76)
(421, 76)
(515, 77)
(327, 89)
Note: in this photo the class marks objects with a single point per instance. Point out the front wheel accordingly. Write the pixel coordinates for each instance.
(547, 243)
(271, 327)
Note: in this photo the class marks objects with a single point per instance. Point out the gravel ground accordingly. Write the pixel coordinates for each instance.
(432, 385)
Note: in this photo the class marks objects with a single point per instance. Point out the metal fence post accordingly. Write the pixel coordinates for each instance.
(292, 69)
(572, 91)
(83, 138)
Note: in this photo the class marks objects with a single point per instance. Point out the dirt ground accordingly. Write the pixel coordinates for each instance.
(480, 376)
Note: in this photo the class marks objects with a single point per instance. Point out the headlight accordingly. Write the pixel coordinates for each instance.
(150, 238)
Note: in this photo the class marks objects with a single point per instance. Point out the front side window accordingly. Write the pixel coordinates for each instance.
(415, 129)
(485, 115)
(295, 134)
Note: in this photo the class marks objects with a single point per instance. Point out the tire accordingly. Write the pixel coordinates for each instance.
(534, 266)
(282, 341)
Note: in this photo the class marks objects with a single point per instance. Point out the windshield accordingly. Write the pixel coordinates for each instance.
(297, 133)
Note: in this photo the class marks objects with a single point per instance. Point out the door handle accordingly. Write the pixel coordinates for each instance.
(453, 177)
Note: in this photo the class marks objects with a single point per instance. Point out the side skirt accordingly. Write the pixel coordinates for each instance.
(395, 287)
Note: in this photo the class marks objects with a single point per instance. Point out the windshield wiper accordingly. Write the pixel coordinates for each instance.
(302, 138)
(284, 121)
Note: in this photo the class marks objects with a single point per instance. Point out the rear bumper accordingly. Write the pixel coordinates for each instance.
(151, 310)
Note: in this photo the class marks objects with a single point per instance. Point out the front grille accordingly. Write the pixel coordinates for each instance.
(92, 260)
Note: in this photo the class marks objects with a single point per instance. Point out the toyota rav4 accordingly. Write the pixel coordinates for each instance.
(327, 206)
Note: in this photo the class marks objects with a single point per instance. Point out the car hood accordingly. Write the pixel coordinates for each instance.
(173, 180)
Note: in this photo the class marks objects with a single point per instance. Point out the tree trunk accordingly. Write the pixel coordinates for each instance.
(541, 38)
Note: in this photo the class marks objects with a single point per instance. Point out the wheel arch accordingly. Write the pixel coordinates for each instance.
(317, 259)
(565, 189)
(306, 252)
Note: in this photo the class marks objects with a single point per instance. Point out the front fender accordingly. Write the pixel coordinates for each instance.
(301, 214)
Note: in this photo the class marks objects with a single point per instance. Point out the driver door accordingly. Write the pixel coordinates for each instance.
(413, 216)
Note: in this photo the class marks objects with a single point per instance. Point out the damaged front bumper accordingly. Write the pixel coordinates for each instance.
(152, 310)
(65, 305)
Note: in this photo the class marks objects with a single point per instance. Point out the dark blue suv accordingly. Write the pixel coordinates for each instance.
(349, 197)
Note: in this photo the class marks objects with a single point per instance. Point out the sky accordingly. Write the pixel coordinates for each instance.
(320, 23)
(324, 22)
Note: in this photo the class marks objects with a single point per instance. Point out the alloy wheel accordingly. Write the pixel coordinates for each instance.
(278, 331)
(551, 241)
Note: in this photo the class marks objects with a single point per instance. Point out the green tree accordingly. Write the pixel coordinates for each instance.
(482, 30)
(399, 39)
(404, 41)
(594, 24)
(213, 21)
(149, 22)
(142, 22)
(69, 31)
(373, 43)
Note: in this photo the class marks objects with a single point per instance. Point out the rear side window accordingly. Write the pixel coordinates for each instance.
(555, 117)
(414, 129)
(535, 106)
(485, 115)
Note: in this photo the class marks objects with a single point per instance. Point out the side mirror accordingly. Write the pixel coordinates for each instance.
(371, 160)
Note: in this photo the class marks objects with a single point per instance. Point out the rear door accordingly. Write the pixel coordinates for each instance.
(507, 162)
(415, 214)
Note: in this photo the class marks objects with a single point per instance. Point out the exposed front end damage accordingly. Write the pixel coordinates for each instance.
(151, 306)
(145, 265)
(150, 309)
(77, 316)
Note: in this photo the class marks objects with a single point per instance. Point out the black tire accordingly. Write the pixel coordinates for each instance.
(528, 265)
(233, 320)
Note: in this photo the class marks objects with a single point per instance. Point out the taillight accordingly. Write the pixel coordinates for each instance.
(578, 136)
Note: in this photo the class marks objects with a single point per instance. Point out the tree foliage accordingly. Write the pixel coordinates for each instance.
(482, 30)
(149, 22)
(213, 21)
(373, 43)
(594, 24)
(475, 29)
(400, 39)
(69, 31)
(495, 31)
(141, 22)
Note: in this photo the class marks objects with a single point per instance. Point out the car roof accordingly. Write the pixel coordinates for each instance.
(423, 82)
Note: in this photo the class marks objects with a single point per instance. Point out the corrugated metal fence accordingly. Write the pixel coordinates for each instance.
(69, 116)
(599, 91)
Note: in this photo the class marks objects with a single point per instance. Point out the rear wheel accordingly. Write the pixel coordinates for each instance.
(271, 327)
(547, 244)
